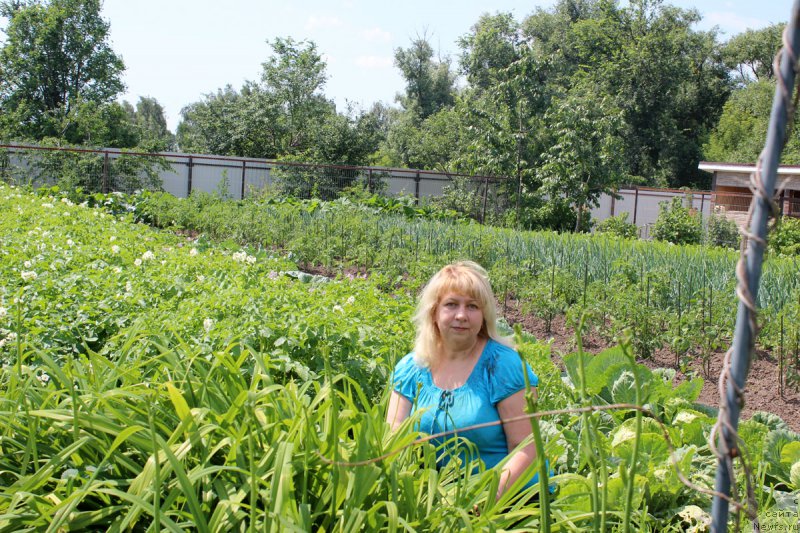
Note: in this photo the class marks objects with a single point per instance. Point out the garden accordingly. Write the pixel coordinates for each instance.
(216, 365)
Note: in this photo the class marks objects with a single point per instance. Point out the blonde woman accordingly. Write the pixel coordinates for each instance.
(462, 372)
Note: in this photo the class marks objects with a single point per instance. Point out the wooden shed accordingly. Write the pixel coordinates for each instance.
(730, 186)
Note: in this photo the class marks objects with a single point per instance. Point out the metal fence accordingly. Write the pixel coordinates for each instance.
(108, 170)
(485, 198)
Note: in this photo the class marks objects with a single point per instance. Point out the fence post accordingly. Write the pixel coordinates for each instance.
(244, 176)
(104, 186)
(635, 204)
(485, 196)
(749, 274)
(189, 184)
(416, 187)
(369, 180)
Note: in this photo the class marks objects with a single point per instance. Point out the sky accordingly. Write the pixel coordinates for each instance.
(177, 51)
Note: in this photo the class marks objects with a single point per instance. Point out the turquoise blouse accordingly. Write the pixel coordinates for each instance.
(497, 375)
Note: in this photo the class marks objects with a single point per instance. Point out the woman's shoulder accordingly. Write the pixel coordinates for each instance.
(500, 353)
(408, 365)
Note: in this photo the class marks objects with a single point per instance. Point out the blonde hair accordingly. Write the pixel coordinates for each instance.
(466, 278)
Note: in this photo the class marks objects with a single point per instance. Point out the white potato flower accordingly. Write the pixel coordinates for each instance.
(28, 275)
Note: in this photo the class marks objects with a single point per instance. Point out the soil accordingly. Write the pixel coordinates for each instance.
(761, 388)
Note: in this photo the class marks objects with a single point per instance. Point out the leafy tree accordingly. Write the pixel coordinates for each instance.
(55, 61)
(151, 123)
(504, 103)
(750, 54)
(739, 136)
(583, 160)
(274, 118)
(293, 78)
(430, 84)
(216, 125)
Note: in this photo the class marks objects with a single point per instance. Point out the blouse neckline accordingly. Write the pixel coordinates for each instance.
(471, 374)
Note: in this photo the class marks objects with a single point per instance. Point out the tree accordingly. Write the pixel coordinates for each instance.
(56, 60)
(274, 118)
(584, 158)
(750, 54)
(293, 78)
(430, 84)
(505, 101)
(742, 129)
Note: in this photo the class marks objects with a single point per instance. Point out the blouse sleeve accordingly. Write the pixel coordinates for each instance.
(505, 374)
(405, 377)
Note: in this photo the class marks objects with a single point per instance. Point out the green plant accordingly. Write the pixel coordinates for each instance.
(618, 226)
(721, 231)
(785, 237)
(677, 224)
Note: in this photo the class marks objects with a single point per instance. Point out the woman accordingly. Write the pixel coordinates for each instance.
(462, 372)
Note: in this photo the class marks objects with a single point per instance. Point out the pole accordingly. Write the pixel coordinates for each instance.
(744, 334)
(244, 178)
(189, 180)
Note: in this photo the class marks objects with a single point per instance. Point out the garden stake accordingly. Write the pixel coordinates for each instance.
(732, 378)
(780, 362)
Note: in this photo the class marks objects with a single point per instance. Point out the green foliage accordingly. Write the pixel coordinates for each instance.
(583, 161)
(618, 226)
(784, 238)
(750, 54)
(739, 135)
(677, 224)
(429, 83)
(178, 382)
(721, 231)
(56, 60)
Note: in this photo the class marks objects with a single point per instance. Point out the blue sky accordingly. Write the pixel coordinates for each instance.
(178, 50)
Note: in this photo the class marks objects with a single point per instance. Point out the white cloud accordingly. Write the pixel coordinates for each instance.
(374, 62)
(376, 35)
(323, 23)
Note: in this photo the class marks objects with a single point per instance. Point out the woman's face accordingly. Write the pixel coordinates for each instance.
(459, 319)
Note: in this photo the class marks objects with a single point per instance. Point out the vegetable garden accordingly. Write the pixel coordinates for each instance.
(199, 379)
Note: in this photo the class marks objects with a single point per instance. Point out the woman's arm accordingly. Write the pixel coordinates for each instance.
(399, 409)
(516, 432)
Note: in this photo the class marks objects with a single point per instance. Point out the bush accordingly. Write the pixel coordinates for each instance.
(618, 226)
(677, 224)
(785, 237)
(721, 231)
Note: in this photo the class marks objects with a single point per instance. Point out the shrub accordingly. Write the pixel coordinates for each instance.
(618, 226)
(721, 231)
(785, 237)
(677, 224)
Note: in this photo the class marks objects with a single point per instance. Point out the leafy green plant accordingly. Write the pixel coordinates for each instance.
(618, 226)
(785, 237)
(677, 224)
(721, 231)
